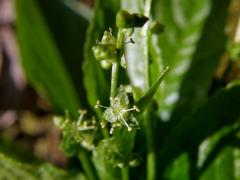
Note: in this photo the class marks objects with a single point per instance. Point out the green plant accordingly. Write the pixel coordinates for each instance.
(186, 127)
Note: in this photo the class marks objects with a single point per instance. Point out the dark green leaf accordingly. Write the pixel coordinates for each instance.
(41, 59)
(221, 109)
(69, 32)
(179, 169)
(14, 170)
(224, 167)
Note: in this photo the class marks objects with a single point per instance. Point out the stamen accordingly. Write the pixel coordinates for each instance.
(99, 105)
(135, 121)
(126, 110)
(86, 128)
(136, 108)
(110, 30)
(111, 130)
(82, 113)
(129, 129)
(103, 125)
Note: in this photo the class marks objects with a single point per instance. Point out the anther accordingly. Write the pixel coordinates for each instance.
(82, 113)
(98, 42)
(136, 108)
(124, 122)
(111, 130)
(110, 30)
(98, 104)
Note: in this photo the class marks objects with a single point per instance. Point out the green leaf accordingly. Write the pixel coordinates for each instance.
(14, 170)
(197, 82)
(221, 109)
(68, 29)
(210, 148)
(113, 154)
(143, 102)
(225, 166)
(179, 169)
(183, 21)
(41, 60)
(105, 158)
(96, 80)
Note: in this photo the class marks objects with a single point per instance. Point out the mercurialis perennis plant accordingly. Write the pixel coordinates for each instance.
(120, 121)
(139, 89)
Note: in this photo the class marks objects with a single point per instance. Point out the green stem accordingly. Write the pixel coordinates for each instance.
(114, 78)
(125, 173)
(151, 156)
(87, 165)
(115, 65)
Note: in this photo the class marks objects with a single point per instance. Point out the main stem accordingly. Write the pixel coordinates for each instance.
(87, 165)
(114, 80)
(151, 156)
(115, 65)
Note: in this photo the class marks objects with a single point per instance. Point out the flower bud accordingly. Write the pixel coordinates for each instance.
(105, 64)
(104, 51)
(108, 38)
(156, 27)
(126, 20)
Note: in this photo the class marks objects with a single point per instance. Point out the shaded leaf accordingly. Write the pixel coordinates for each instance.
(41, 59)
(105, 156)
(179, 169)
(224, 166)
(221, 109)
(11, 169)
(212, 146)
(68, 29)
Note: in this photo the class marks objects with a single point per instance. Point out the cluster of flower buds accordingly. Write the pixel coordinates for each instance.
(105, 50)
(74, 132)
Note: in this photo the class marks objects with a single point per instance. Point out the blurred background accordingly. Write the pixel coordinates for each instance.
(26, 114)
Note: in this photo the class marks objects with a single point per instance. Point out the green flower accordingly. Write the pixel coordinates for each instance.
(76, 133)
(119, 113)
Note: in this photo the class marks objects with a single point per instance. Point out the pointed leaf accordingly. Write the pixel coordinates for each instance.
(143, 102)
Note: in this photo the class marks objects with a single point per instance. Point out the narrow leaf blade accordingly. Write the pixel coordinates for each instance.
(143, 102)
